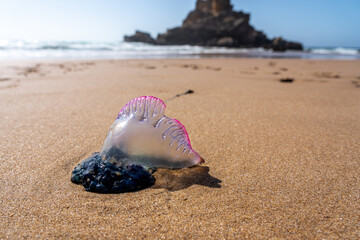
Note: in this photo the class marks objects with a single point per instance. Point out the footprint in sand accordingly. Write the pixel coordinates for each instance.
(197, 67)
(30, 70)
(87, 63)
(6, 83)
(25, 71)
(192, 66)
(150, 67)
(213, 68)
(247, 72)
(356, 83)
(326, 75)
(272, 64)
(66, 68)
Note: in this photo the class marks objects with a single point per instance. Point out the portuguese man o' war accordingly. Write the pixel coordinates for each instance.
(140, 140)
(144, 134)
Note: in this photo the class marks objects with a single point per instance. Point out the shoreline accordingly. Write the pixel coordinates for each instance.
(122, 50)
(11, 62)
(244, 55)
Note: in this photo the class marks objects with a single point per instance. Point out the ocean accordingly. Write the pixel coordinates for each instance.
(29, 50)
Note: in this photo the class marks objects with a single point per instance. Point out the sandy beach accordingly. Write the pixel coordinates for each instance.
(282, 158)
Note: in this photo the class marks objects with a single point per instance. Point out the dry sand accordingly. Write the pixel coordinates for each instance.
(282, 159)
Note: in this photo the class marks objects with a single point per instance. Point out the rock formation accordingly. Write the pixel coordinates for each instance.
(214, 23)
(213, 6)
(140, 37)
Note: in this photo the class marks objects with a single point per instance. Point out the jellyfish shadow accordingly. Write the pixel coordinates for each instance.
(178, 179)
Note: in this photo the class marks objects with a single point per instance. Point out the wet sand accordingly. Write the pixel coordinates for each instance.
(282, 157)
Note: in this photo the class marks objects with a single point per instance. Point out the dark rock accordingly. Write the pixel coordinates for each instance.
(140, 37)
(230, 29)
(280, 45)
(214, 23)
(221, 6)
(213, 6)
(98, 175)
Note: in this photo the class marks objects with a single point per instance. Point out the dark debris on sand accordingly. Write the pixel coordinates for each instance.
(97, 175)
(287, 80)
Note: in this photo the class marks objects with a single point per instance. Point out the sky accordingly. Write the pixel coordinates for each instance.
(327, 23)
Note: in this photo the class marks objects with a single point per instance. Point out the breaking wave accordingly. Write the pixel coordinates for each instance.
(20, 49)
